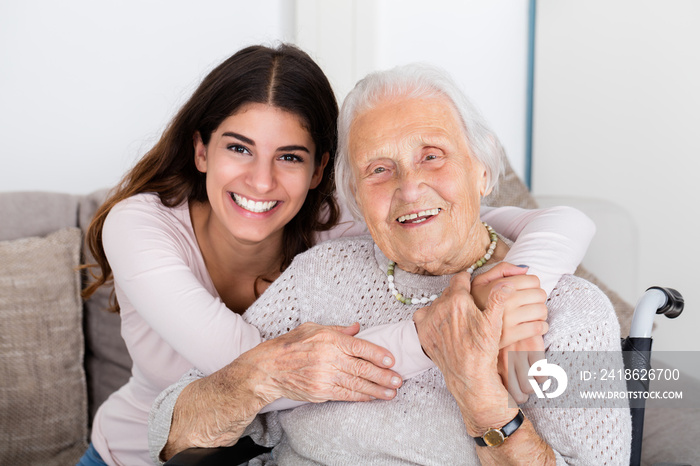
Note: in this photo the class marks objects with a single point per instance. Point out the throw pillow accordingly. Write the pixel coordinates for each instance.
(43, 400)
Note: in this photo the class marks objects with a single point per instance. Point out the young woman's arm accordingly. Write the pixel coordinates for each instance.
(155, 270)
(167, 298)
(551, 242)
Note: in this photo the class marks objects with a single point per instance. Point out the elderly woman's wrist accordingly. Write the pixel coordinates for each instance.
(209, 412)
(253, 384)
(481, 421)
(485, 406)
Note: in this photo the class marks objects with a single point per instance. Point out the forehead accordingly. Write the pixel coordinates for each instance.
(405, 121)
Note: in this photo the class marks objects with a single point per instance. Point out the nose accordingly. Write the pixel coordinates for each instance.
(262, 176)
(411, 186)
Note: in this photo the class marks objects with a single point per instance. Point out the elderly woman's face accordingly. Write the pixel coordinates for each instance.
(418, 186)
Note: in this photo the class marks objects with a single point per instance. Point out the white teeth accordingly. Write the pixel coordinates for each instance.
(423, 213)
(253, 206)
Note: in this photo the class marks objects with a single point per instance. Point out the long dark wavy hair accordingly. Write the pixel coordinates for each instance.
(284, 77)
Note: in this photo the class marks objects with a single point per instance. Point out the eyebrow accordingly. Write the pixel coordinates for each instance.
(293, 148)
(231, 134)
(249, 141)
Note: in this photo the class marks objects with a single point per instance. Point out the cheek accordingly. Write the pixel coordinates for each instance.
(375, 204)
(298, 184)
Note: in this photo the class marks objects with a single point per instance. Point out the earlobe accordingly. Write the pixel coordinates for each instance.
(483, 192)
(200, 153)
(318, 171)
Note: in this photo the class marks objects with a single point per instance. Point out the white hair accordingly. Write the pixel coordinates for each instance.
(413, 81)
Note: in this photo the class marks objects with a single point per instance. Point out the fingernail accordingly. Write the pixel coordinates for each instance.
(387, 361)
(507, 289)
(389, 393)
(395, 381)
(522, 266)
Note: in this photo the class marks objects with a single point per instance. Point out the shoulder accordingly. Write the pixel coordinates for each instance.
(347, 250)
(144, 217)
(145, 209)
(142, 202)
(580, 312)
(327, 267)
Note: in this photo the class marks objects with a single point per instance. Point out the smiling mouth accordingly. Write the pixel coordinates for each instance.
(420, 217)
(253, 206)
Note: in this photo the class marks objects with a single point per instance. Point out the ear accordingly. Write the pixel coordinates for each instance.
(483, 182)
(200, 153)
(318, 171)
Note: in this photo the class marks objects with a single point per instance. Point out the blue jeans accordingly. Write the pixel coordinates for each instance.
(91, 458)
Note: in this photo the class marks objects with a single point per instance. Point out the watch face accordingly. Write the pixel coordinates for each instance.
(493, 437)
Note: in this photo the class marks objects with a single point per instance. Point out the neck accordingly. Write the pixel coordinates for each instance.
(476, 244)
(226, 257)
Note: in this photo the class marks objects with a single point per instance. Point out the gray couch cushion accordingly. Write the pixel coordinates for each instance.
(36, 213)
(43, 400)
(25, 214)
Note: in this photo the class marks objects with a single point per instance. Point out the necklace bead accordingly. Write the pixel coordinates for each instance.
(425, 300)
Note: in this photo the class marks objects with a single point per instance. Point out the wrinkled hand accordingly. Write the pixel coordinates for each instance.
(311, 363)
(319, 363)
(463, 342)
(524, 323)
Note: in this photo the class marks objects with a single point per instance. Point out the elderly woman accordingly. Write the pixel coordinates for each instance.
(415, 159)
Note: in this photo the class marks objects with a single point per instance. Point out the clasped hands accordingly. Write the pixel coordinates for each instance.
(491, 326)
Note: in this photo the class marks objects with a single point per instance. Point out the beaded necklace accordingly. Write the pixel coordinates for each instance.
(425, 300)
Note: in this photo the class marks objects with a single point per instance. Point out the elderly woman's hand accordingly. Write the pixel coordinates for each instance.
(310, 363)
(318, 363)
(463, 342)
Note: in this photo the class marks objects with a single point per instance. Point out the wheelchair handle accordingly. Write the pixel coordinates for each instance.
(656, 300)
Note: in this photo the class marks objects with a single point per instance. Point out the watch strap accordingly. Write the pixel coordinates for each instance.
(500, 435)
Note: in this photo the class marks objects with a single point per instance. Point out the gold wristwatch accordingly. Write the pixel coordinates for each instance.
(495, 437)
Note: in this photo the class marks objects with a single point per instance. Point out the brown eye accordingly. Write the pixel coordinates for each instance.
(291, 158)
(379, 170)
(238, 148)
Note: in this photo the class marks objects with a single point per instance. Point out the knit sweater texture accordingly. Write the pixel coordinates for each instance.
(344, 281)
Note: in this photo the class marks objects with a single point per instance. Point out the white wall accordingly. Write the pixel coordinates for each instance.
(482, 44)
(616, 118)
(86, 87)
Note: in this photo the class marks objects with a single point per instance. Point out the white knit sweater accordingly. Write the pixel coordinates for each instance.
(344, 281)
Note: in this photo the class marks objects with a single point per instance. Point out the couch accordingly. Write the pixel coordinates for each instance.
(60, 357)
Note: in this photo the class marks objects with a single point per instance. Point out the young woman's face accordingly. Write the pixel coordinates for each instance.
(260, 166)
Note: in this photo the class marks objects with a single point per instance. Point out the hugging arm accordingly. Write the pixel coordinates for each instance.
(551, 242)
(153, 272)
(152, 267)
(400, 339)
(311, 363)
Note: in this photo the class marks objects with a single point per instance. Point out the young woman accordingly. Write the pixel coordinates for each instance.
(238, 185)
